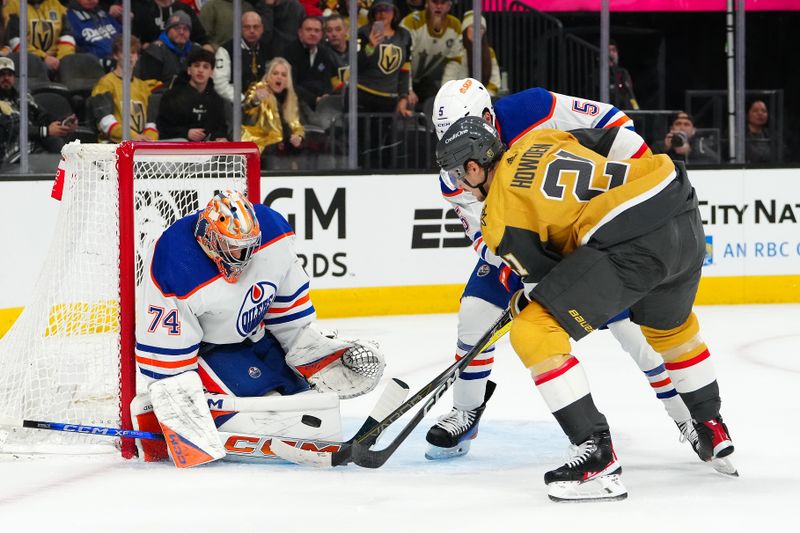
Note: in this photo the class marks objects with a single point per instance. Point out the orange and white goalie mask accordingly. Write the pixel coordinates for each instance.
(228, 231)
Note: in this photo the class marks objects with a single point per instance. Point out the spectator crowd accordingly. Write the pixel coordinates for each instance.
(294, 71)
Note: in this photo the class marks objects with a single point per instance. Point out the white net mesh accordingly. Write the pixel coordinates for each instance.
(61, 359)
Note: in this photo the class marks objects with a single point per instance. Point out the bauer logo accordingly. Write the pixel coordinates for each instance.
(709, 258)
(255, 305)
(437, 228)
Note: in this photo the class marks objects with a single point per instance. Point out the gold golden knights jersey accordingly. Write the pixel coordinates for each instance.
(110, 125)
(552, 194)
(48, 29)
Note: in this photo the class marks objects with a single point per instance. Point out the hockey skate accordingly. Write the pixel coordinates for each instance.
(452, 434)
(592, 474)
(715, 445)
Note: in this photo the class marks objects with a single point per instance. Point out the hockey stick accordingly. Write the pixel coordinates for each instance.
(394, 394)
(93, 431)
(358, 451)
(244, 446)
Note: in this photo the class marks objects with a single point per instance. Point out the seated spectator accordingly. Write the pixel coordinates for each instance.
(94, 28)
(43, 132)
(337, 37)
(191, 109)
(166, 58)
(49, 34)
(490, 70)
(256, 52)
(109, 117)
(758, 145)
(682, 143)
(620, 91)
(271, 112)
(151, 18)
(435, 41)
(315, 71)
(281, 20)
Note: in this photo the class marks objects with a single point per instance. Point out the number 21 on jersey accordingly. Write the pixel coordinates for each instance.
(585, 171)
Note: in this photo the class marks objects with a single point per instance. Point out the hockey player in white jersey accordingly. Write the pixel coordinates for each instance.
(489, 288)
(224, 313)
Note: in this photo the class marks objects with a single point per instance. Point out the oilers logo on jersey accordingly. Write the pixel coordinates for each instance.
(254, 307)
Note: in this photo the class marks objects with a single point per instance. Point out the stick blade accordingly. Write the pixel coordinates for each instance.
(364, 457)
(393, 395)
(299, 456)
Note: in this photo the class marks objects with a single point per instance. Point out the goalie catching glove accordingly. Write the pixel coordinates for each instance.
(349, 368)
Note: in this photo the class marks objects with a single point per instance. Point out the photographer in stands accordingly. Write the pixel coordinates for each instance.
(683, 144)
(44, 132)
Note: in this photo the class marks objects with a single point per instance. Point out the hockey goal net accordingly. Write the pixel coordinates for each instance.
(69, 356)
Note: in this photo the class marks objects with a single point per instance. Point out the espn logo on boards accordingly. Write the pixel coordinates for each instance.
(432, 229)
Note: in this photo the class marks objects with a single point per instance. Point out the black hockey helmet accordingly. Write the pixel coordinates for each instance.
(468, 139)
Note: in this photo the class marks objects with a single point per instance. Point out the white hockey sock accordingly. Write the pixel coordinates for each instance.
(632, 340)
(470, 387)
(665, 391)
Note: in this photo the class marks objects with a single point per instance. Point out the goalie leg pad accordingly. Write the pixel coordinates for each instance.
(144, 419)
(349, 368)
(182, 412)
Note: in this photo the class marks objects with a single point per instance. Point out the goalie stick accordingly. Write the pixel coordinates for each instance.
(237, 445)
(357, 450)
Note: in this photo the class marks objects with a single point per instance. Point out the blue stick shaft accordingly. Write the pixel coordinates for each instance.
(92, 430)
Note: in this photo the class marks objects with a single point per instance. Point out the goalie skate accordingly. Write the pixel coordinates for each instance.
(592, 474)
(452, 435)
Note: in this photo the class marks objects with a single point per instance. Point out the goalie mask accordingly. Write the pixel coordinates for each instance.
(460, 98)
(228, 231)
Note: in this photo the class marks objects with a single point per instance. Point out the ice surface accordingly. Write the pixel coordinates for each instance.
(498, 486)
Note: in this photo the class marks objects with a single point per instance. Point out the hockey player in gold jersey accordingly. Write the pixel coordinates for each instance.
(590, 237)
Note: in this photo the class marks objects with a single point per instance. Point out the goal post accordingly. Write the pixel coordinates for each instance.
(69, 357)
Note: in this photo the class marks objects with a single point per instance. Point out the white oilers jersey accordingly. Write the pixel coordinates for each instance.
(184, 302)
(468, 209)
(538, 108)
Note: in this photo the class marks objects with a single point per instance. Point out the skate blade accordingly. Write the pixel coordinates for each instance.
(435, 453)
(600, 489)
(723, 465)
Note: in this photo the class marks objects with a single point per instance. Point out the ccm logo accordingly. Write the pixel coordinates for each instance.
(243, 445)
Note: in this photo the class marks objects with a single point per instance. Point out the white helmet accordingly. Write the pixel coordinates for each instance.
(460, 98)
